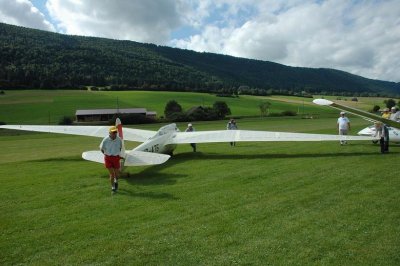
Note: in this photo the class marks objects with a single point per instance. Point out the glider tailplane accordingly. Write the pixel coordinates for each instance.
(132, 158)
(94, 156)
(138, 158)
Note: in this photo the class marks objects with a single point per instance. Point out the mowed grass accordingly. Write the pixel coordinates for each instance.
(257, 203)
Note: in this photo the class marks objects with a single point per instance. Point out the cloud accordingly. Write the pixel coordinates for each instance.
(142, 21)
(361, 37)
(23, 13)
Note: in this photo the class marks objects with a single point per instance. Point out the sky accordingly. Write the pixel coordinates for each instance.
(357, 36)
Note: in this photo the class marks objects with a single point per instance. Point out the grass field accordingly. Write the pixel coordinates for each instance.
(257, 203)
(47, 107)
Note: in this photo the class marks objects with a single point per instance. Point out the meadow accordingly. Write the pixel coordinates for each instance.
(48, 107)
(257, 203)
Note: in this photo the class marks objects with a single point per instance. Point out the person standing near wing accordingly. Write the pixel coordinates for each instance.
(190, 128)
(232, 126)
(395, 114)
(343, 124)
(382, 132)
(111, 148)
(386, 113)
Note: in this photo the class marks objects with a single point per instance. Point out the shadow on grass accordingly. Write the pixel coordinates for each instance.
(153, 175)
(213, 156)
(150, 195)
(59, 159)
(144, 177)
(150, 177)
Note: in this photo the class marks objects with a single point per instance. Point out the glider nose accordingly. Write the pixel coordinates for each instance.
(366, 132)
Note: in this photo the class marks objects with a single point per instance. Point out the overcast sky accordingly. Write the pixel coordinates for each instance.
(358, 36)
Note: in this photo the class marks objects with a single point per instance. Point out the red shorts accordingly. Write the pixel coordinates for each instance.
(112, 161)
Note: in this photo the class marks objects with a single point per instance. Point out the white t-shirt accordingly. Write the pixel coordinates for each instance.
(395, 116)
(343, 123)
(111, 147)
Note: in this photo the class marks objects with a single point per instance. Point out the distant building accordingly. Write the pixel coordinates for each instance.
(105, 115)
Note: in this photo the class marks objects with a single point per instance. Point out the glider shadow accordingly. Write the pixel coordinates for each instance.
(59, 159)
(152, 175)
(151, 195)
(214, 156)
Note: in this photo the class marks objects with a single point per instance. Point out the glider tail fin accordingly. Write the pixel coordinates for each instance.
(118, 125)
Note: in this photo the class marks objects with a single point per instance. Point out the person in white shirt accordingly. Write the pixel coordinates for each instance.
(343, 124)
(111, 148)
(190, 128)
(395, 114)
(382, 132)
(232, 126)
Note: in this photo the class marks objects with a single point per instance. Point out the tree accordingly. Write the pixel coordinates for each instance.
(65, 120)
(222, 109)
(171, 108)
(376, 108)
(264, 106)
(204, 114)
(389, 103)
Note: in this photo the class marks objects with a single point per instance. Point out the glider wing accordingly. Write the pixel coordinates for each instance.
(92, 131)
(138, 135)
(366, 115)
(250, 135)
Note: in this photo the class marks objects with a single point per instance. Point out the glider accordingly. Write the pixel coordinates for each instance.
(157, 146)
(393, 126)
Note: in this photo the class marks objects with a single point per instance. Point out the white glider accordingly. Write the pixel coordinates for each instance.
(158, 145)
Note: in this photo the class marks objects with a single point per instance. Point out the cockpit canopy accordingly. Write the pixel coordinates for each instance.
(167, 129)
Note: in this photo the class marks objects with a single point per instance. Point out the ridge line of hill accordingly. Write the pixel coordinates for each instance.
(33, 59)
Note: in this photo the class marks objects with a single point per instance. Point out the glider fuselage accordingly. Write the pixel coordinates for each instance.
(394, 133)
(157, 143)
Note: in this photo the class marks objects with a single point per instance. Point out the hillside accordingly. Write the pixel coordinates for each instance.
(37, 59)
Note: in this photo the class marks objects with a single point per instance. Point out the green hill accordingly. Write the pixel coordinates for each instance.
(32, 58)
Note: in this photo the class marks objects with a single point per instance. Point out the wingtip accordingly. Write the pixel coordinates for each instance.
(322, 102)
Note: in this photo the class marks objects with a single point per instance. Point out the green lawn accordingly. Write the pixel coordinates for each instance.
(48, 107)
(256, 203)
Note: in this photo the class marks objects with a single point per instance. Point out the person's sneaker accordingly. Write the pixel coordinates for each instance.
(115, 184)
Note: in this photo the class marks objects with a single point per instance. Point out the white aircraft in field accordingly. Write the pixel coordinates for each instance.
(393, 126)
(158, 145)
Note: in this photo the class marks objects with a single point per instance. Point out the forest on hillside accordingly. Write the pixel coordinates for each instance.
(32, 59)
